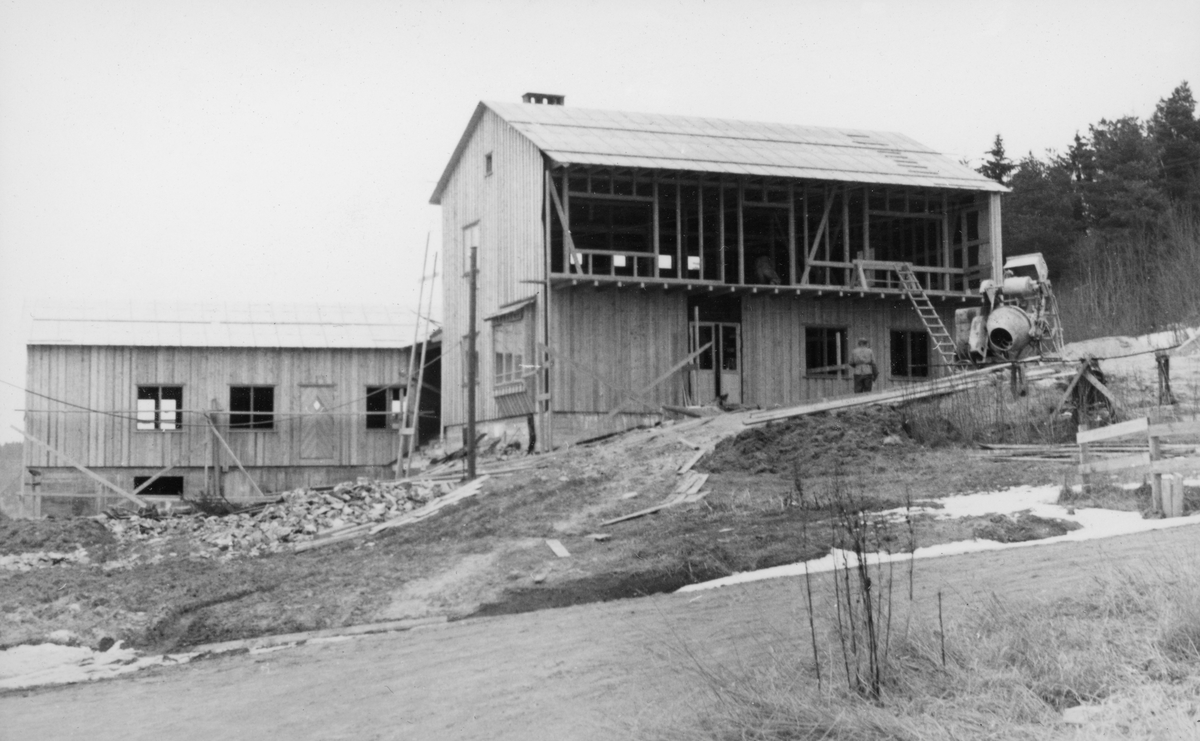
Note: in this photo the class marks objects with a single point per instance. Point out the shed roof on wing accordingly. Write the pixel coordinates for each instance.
(581, 136)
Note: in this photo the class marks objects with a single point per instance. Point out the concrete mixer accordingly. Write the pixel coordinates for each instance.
(1017, 316)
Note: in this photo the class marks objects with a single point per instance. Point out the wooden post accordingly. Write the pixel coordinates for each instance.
(791, 234)
(847, 278)
(214, 492)
(696, 365)
(1156, 479)
(681, 264)
(1163, 361)
(699, 226)
(655, 234)
(542, 397)
(1172, 495)
(945, 261)
(472, 367)
(1085, 457)
(721, 226)
(741, 233)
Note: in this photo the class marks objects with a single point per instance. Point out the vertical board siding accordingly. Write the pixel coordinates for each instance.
(507, 206)
(105, 379)
(773, 371)
(627, 338)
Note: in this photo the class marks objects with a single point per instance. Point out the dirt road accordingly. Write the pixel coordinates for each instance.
(596, 671)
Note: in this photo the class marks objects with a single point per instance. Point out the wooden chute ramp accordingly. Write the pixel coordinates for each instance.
(941, 386)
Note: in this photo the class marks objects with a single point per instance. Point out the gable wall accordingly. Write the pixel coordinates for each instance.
(508, 207)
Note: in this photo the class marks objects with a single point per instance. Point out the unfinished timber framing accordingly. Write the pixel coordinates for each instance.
(637, 227)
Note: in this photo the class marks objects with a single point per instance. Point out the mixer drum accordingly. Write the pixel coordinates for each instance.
(1009, 330)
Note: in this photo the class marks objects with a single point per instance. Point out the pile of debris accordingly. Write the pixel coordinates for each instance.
(40, 559)
(298, 516)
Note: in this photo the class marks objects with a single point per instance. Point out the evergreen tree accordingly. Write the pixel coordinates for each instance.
(997, 166)
(1042, 214)
(1176, 131)
(1126, 189)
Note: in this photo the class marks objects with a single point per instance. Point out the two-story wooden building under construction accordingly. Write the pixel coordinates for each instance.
(613, 246)
(217, 400)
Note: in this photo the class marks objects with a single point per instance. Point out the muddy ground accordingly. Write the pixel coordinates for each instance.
(622, 669)
(487, 555)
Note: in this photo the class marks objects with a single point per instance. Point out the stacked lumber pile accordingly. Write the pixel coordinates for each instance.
(298, 516)
(1070, 453)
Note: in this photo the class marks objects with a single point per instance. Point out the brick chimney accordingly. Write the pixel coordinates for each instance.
(544, 98)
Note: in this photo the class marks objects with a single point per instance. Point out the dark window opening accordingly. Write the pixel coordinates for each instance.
(619, 226)
(382, 401)
(727, 309)
(487, 164)
(765, 235)
(163, 486)
(910, 354)
(159, 407)
(825, 351)
(252, 407)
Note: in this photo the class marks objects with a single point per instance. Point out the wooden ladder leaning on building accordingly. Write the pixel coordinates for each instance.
(943, 343)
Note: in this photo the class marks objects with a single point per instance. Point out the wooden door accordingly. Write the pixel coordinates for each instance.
(318, 426)
(706, 374)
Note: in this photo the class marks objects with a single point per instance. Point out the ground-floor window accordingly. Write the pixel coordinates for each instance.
(159, 407)
(164, 486)
(382, 401)
(252, 407)
(825, 351)
(910, 353)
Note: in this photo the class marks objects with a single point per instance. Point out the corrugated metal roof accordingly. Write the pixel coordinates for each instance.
(579, 136)
(163, 324)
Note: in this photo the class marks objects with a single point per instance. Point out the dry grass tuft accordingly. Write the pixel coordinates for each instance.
(1131, 649)
(989, 414)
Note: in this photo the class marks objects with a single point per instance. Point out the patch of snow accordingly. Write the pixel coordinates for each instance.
(1037, 500)
(51, 663)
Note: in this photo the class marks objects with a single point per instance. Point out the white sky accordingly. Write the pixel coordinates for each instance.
(286, 150)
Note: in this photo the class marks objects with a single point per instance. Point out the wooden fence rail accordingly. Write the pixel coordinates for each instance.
(1168, 499)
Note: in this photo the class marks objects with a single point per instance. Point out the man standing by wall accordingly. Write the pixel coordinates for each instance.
(862, 364)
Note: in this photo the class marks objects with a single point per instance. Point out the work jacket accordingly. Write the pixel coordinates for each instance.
(862, 360)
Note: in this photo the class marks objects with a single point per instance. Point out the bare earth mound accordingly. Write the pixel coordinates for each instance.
(822, 444)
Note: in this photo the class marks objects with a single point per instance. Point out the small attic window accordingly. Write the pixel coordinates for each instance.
(487, 164)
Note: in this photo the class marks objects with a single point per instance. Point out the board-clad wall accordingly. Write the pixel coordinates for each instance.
(627, 337)
(105, 379)
(773, 330)
(507, 206)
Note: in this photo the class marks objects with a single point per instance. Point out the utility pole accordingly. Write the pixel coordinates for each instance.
(472, 370)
